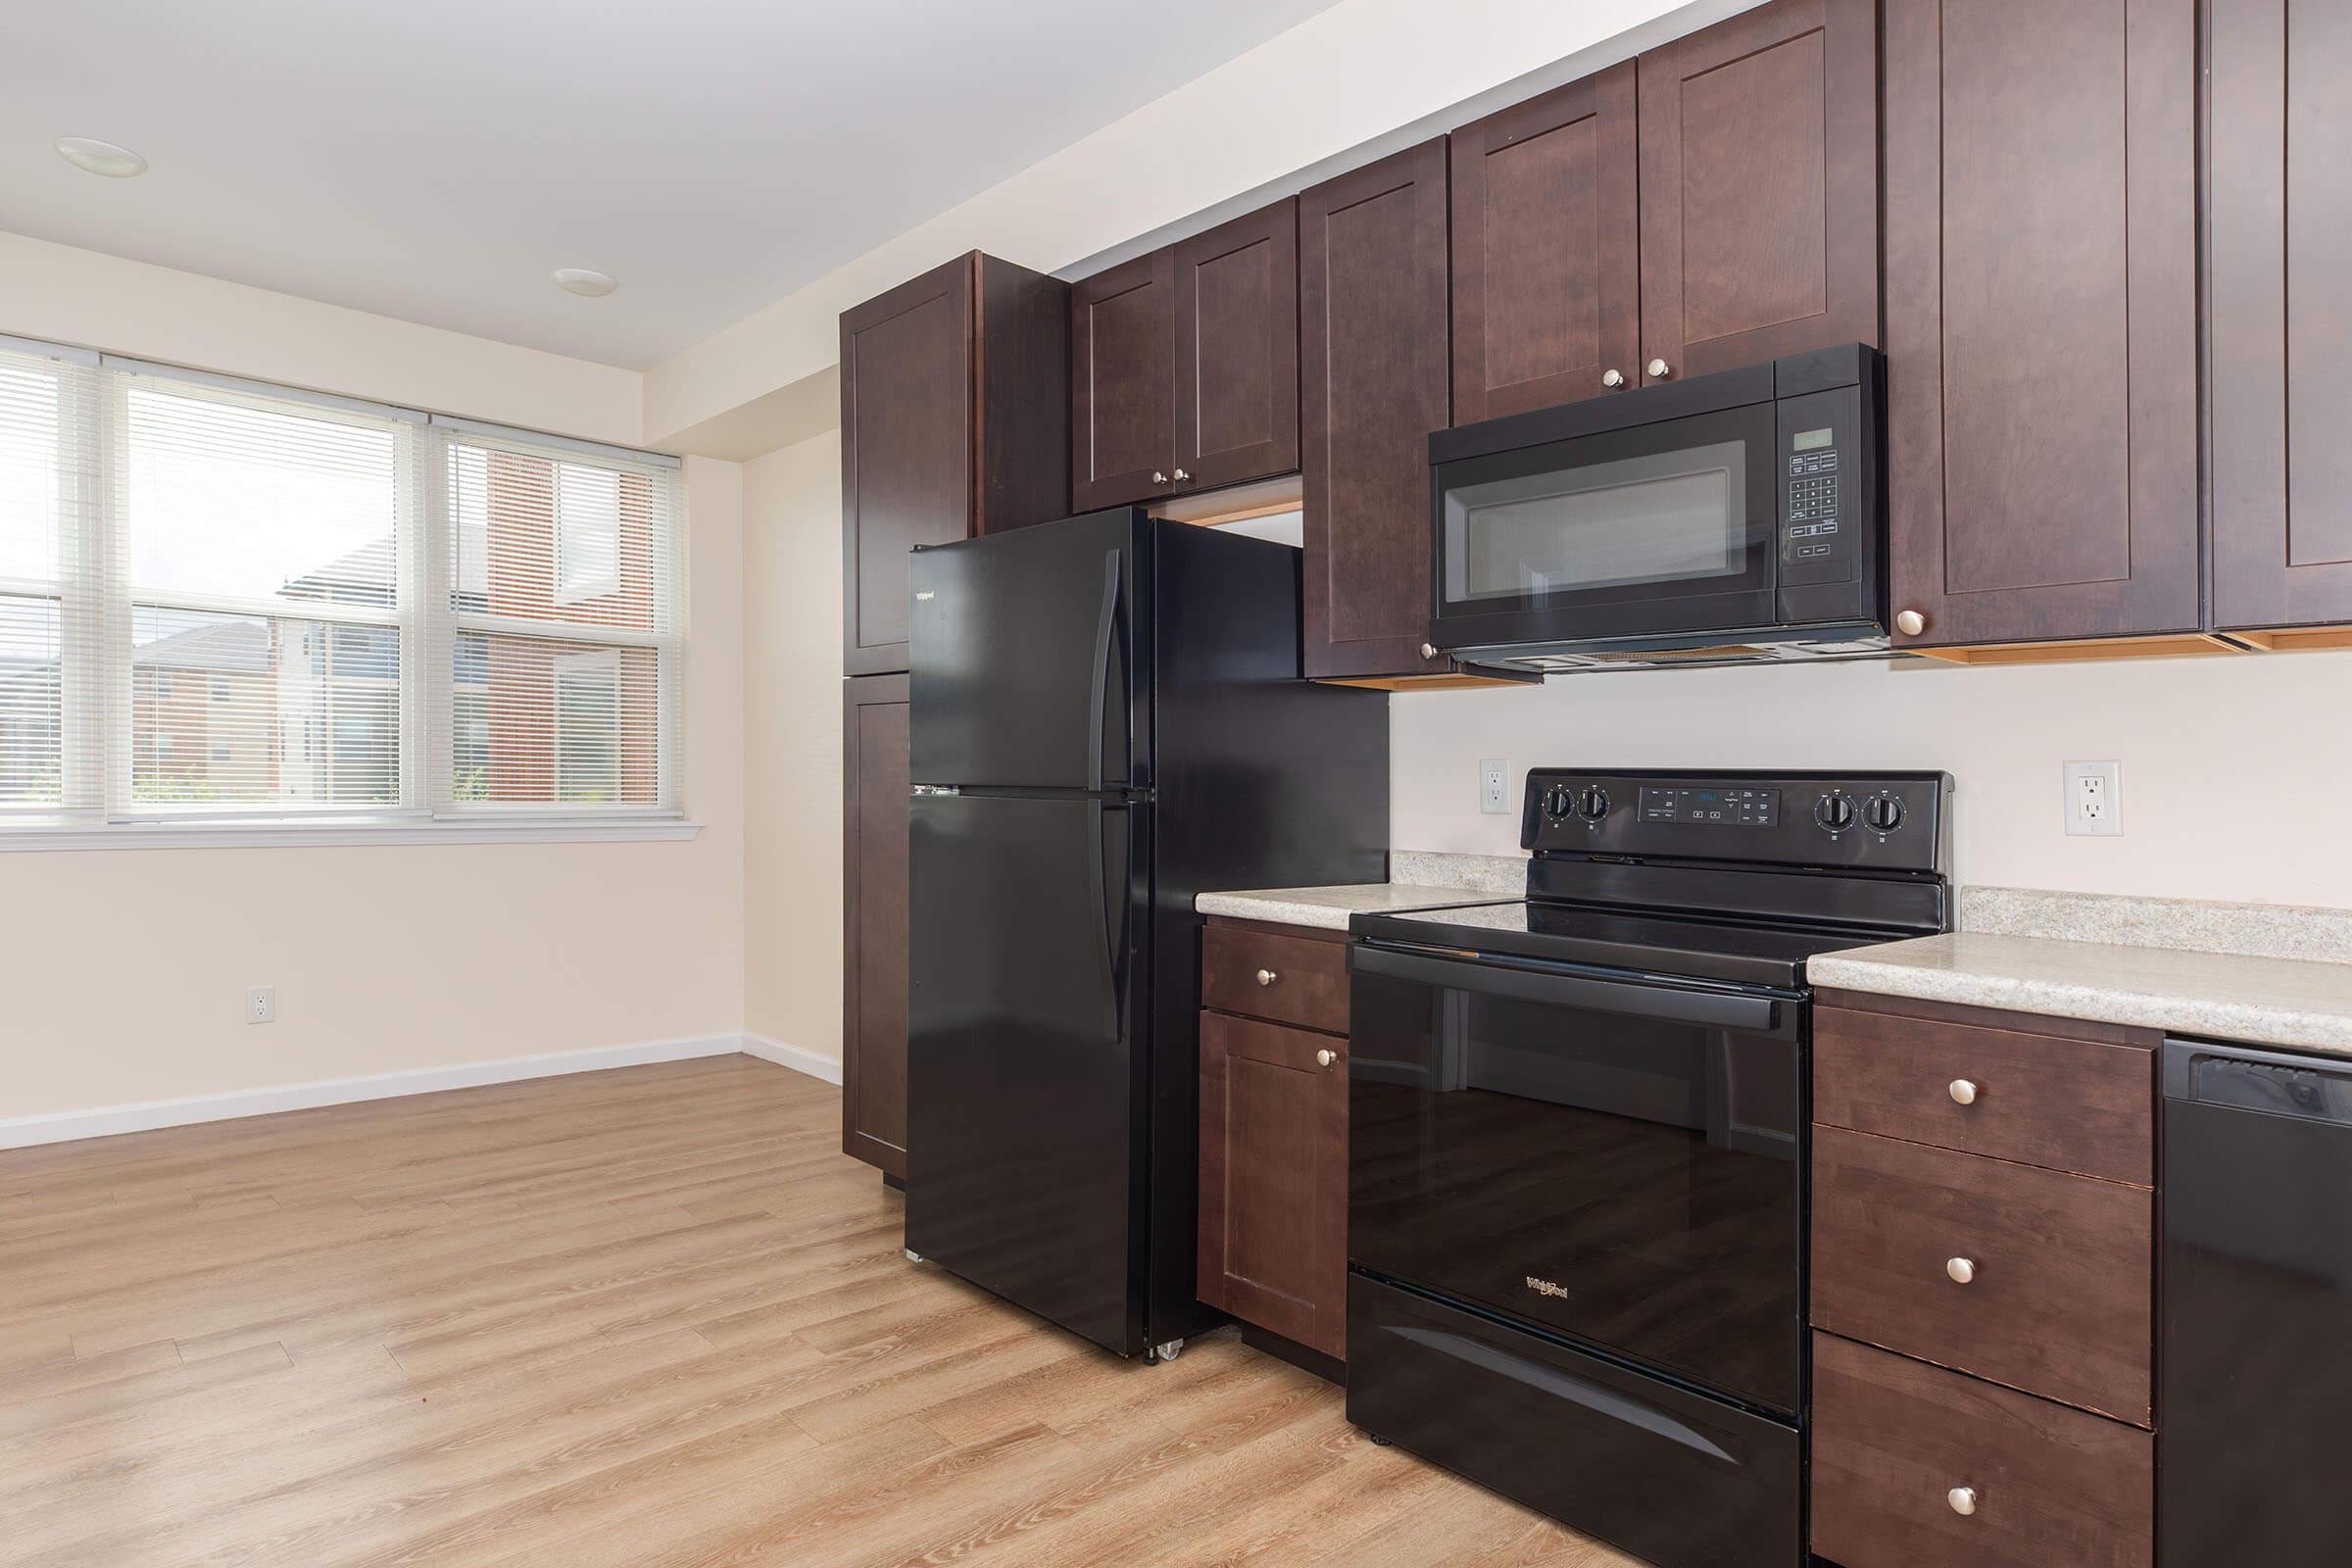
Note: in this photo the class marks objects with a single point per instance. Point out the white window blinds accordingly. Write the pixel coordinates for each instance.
(219, 600)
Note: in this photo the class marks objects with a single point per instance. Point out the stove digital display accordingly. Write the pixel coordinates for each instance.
(1704, 803)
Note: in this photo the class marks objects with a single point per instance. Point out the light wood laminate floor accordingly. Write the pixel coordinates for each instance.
(646, 1317)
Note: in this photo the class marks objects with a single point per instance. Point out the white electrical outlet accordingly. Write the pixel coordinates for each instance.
(1495, 787)
(2094, 799)
(261, 1004)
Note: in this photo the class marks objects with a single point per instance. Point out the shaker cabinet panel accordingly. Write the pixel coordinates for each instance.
(953, 421)
(1237, 350)
(2282, 312)
(874, 861)
(1123, 382)
(2041, 319)
(1274, 1178)
(1759, 188)
(1546, 275)
(1375, 372)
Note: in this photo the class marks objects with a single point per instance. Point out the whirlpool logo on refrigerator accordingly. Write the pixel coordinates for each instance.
(1546, 1288)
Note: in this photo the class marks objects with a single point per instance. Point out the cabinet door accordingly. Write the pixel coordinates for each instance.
(873, 1026)
(2282, 312)
(1759, 188)
(1547, 249)
(1123, 382)
(1236, 350)
(1274, 1179)
(1374, 375)
(905, 450)
(2041, 317)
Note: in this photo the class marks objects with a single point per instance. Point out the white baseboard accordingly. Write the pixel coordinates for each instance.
(798, 1057)
(23, 1132)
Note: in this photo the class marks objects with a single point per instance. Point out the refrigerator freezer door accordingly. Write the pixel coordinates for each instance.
(1030, 657)
(1025, 1053)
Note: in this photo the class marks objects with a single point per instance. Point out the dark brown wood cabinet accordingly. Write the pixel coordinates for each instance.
(1547, 249)
(1984, 1287)
(1760, 188)
(1375, 379)
(1184, 365)
(2280, 314)
(1273, 1218)
(2041, 319)
(876, 776)
(953, 423)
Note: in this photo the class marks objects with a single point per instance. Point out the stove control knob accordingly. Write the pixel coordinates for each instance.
(1835, 812)
(1883, 813)
(1594, 803)
(1558, 801)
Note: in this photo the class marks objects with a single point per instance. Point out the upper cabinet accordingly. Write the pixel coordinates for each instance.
(2041, 319)
(953, 394)
(1547, 261)
(1760, 188)
(2280, 312)
(1184, 365)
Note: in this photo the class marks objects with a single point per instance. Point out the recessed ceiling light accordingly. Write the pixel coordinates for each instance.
(581, 281)
(100, 157)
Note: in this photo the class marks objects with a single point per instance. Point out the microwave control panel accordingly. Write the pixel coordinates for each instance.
(1824, 500)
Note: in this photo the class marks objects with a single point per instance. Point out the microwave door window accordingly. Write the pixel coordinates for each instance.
(1660, 518)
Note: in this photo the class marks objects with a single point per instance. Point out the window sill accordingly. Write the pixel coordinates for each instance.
(336, 835)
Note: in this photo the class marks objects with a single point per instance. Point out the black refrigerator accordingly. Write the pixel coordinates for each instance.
(1107, 718)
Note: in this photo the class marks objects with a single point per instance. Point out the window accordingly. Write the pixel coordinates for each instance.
(271, 606)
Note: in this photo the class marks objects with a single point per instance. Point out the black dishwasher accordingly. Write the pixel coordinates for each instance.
(2256, 1392)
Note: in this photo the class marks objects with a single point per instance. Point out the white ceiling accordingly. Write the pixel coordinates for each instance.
(434, 160)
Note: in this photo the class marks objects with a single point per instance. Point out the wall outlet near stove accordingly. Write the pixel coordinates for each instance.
(2094, 799)
(1494, 786)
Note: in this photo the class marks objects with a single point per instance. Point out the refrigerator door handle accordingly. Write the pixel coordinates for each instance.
(1110, 892)
(1106, 628)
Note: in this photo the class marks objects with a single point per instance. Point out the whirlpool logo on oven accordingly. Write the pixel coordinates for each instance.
(1546, 1288)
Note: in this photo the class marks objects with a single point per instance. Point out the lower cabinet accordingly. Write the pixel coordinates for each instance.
(875, 771)
(1984, 1289)
(1273, 1227)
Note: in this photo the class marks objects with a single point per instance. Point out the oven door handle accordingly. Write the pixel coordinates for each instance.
(1716, 1009)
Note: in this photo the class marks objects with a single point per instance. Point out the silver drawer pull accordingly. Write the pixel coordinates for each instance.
(1962, 1271)
(1963, 1501)
(1267, 977)
(1326, 1057)
(1963, 1092)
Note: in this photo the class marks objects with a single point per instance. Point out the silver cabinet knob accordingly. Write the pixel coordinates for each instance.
(1963, 1092)
(1267, 977)
(1963, 1500)
(1429, 650)
(1158, 477)
(1659, 369)
(1910, 622)
(1612, 379)
(1182, 476)
(1326, 1057)
(1960, 1269)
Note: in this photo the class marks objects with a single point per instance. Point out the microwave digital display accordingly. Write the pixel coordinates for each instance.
(1812, 440)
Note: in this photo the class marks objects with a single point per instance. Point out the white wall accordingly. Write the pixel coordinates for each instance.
(792, 754)
(126, 967)
(2234, 768)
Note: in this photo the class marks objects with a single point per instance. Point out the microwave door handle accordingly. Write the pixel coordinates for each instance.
(1713, 1009)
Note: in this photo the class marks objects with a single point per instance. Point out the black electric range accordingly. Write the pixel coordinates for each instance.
(1577, 1147)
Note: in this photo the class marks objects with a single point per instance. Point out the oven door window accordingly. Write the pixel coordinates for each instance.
(1629, 1180)
(1682, 509)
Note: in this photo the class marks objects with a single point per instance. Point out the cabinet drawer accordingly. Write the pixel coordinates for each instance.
(2060, 1301)
(2070, 1104)
(1892, 1440)
(1305, 978)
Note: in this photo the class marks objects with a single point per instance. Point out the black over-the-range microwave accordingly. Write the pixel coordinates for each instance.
(1731, 517)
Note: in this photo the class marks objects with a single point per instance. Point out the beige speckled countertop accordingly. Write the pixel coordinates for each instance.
(2256, 997)
(1425, 880)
